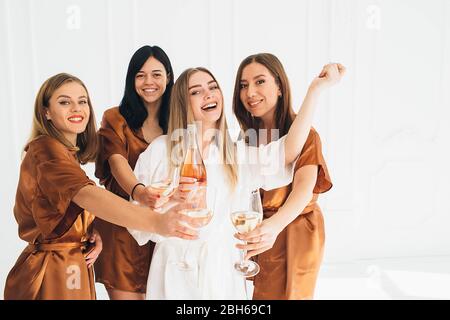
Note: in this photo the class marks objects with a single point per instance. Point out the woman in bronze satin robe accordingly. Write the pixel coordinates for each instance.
(55, 197)
(125, 133)
(289, 242)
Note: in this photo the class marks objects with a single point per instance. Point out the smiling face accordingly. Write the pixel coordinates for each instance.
(68, 110)
(259, 92)
(205, 98)
(151, 81)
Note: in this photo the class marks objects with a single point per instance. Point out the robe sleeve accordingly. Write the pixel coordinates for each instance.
(59, 177)
(111, 141)
(152, 161)
(312, 155)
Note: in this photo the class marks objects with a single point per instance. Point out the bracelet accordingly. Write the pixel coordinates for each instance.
(134, 188)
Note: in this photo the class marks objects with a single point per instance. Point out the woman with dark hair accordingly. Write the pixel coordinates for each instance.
(290, 240)
(56, 201)
(125, 133)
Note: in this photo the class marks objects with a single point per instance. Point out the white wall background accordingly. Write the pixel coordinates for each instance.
(384, 129)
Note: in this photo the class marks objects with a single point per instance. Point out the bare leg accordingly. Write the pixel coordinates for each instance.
(115, 294)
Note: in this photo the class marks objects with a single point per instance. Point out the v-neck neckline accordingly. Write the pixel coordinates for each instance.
(140, 134)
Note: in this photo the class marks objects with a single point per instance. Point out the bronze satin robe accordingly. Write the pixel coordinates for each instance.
(289, 269)
(122, 264)
(52, 266)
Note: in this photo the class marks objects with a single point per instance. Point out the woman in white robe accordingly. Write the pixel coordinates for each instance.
(233, 171)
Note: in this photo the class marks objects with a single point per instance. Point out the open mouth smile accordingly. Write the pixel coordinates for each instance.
(209, 106)
(150, 90)
(75, 119)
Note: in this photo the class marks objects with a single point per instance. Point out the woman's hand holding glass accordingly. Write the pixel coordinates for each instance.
(174, 223)
(150, 197)
(199, 209)
(160, 190)
(262, 238)
(246, 216)
(187, 187)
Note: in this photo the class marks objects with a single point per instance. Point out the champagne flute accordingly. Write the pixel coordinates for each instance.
(245, 220)
(202, 201)
(164, 183)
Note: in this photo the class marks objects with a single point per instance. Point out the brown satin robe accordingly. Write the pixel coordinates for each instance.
(122, 264)
(52, 266)
(289, 269)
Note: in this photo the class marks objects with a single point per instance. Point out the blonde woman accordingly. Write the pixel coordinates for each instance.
(56, 201)
(234, 168)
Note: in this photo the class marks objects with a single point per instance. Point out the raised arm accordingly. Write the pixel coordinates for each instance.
(299, 131)
(114, 209)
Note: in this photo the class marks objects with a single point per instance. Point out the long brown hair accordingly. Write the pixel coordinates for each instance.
(181, 115)
(86, 148)
(284, 114)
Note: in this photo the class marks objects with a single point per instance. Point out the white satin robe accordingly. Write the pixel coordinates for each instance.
(214, 254)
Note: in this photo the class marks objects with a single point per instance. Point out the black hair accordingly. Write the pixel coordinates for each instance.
(131, 107)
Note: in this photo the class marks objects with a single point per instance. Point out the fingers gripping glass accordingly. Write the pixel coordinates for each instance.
(165, 182)
(246, 219)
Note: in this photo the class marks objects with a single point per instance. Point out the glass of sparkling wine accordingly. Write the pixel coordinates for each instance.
(245, 220)
(165, 184)
(201, 201)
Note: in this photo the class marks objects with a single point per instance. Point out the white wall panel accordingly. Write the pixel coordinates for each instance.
(10, 155)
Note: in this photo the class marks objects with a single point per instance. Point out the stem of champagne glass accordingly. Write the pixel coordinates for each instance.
(185, 254)
(243, 254)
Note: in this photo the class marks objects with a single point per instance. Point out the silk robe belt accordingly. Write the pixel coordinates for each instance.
(57, 246)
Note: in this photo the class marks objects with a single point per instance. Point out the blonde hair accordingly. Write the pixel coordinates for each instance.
(86, 148)
(181, 115)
